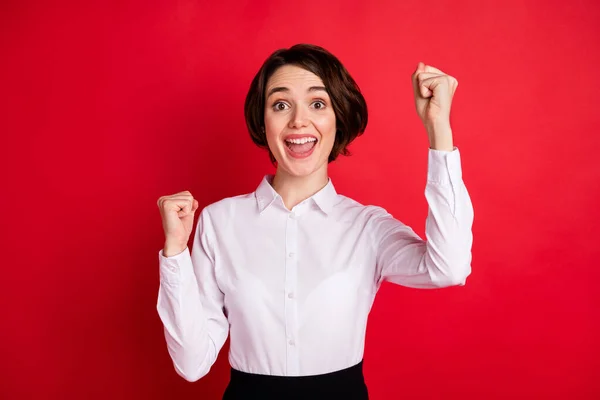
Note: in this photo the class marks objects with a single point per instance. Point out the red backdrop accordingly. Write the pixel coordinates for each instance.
(108, 105)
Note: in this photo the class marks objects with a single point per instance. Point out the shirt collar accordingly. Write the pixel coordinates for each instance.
(266, 195)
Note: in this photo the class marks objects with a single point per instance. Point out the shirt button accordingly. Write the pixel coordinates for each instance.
(291, 295)
(293, 215)
(292, 254)
(291, 342)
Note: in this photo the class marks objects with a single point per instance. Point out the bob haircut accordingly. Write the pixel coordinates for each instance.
(348, 103)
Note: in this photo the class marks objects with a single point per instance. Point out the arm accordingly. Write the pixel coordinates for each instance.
(190, 305)
(444, 259)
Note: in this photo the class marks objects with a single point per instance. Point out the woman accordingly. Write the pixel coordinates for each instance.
(291, 270)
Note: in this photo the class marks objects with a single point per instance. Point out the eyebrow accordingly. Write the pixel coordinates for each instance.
(284, 89)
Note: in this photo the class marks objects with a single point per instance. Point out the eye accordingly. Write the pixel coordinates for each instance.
(320, 104)
(279, 106)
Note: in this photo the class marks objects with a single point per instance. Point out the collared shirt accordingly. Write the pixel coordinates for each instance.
(294, 287)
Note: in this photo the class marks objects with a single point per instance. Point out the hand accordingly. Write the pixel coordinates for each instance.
(433, 91)
(177, 213)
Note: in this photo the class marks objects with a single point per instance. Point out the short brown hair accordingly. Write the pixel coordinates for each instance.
(348, 103)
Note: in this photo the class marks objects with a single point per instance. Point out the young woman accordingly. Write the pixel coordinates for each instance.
(291, 270)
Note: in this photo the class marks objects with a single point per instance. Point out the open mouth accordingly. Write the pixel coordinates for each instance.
(301, 146)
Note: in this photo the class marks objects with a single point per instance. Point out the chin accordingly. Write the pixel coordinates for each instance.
(301, 167)
(300, 172)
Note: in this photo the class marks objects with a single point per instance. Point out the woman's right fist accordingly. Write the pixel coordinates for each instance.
(177, 213)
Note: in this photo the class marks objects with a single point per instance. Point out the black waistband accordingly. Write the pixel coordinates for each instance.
(347, 383)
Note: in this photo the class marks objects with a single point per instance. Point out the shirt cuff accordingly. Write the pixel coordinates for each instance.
(174, 268)
(444, 167)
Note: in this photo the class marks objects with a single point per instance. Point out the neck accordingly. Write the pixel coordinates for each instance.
(295, 189)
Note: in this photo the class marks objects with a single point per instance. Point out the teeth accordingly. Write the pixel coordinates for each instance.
(302, 140)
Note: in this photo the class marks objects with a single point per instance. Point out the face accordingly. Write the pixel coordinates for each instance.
(299, 121)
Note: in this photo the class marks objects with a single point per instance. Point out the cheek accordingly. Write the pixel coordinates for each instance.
(327, 127)
(274, 124)
(271, 140)
(271, 129)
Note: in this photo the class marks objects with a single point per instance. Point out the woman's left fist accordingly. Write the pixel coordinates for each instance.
(433, 92)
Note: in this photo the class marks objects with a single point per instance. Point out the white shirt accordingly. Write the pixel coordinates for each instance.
(294, 288)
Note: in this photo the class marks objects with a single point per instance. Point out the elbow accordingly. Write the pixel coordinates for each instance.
(188, 377)
(191, 362)
(191, 365)
(459, 282)
(191, 373)
(448, 267)
(460, 278)
(451, 281)
(458, 273)
(456, 277)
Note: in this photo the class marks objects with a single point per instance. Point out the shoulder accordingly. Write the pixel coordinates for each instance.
(227, 206)
(220, 213)
(376, 220)
(366, 212)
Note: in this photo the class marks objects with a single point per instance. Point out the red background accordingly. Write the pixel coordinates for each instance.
(106, 106)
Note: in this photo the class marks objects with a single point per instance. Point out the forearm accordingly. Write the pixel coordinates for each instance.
(450, 218)
(185, 323)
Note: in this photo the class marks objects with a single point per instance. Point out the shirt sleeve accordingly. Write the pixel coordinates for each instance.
(403, 258)
(190, 305)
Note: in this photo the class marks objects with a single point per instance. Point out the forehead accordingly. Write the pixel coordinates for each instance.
(293, 76)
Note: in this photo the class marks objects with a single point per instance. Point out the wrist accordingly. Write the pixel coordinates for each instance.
(171, 249)
(440, 136)
(442, 144)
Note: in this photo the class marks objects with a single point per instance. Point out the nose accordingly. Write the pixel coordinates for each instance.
(299, 118)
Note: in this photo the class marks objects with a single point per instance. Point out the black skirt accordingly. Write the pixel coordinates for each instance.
(348, 383)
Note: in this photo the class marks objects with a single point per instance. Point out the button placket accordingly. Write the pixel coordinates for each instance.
(291, 310)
